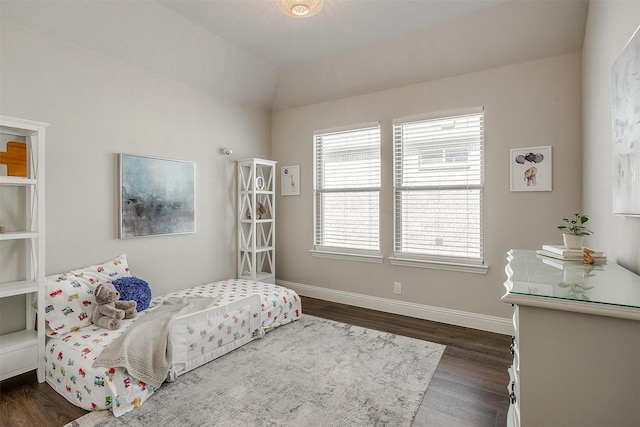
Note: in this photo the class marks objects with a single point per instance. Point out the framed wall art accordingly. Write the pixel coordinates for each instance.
(531, 168)
(157, 196)
(290, 181)
(625, 111)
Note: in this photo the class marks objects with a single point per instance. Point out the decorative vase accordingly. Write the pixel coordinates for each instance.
(572, 241)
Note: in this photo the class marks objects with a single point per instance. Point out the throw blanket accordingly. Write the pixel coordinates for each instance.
(145, 349)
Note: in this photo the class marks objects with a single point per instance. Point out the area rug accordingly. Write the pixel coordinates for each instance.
(312, 372)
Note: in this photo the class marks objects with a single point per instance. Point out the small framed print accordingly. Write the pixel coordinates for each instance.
(531, 168)
(290, 181)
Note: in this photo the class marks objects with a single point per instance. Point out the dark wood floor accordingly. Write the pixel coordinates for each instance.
(468, 388)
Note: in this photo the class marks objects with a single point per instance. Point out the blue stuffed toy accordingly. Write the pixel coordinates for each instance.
(134, 289)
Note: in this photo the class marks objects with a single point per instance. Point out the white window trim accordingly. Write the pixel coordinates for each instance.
(431, 261)
(438, 114)
(350, 254)
(439, 265)
(319, 253)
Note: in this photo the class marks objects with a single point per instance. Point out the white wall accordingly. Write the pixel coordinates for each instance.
(506, 34)
(530, 104)
(610, 25)
(98, 107)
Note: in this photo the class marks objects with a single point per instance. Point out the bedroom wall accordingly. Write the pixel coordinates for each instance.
(610, 25)
(529, 104)
(98, 107)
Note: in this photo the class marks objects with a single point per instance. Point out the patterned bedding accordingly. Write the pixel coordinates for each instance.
(279, 305)
(69, 357)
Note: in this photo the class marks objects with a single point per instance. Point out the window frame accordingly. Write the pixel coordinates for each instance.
(339, 252)
(435, 261)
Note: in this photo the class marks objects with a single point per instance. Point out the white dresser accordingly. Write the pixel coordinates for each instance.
(576, 346)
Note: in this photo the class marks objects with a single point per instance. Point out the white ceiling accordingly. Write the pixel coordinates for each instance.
(259, 27)
(247, 52)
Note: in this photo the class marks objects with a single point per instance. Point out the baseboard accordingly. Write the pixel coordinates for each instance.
(443, 315)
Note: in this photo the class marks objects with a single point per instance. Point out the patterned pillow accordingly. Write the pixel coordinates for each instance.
(134, 289)
(69, 300)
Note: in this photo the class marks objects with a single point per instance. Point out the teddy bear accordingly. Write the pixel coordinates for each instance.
(109, 310)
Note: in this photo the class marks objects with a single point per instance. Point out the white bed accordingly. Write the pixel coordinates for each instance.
(244, 311)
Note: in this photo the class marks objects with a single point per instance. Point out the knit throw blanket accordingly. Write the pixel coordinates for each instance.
(145, 348)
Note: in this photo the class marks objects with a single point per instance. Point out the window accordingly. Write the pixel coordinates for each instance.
(347, 189)
(438, 185)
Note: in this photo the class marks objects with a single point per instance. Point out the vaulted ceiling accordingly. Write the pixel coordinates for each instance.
(248, 52)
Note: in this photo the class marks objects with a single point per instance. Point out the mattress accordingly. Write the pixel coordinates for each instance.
(197, 340)
(280, 305)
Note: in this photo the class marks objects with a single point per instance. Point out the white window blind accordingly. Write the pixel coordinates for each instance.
(438, 185)
(346, 189)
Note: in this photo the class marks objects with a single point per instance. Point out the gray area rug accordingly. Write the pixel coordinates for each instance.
(312, 372)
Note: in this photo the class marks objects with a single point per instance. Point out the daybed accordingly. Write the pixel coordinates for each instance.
(240, 311)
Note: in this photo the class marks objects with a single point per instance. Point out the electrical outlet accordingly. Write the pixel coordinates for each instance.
(397, 288)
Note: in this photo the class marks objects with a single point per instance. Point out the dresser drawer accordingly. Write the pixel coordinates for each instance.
(19, 360)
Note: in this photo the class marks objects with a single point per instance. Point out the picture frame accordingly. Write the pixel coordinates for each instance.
(625, 115)
(531, 168)
(290, 181)
(157, 196)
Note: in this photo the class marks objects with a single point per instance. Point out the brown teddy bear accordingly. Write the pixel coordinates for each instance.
(110, 311)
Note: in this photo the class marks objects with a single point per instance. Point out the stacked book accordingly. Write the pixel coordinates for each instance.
(564, 254)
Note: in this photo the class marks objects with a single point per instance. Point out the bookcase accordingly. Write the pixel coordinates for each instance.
(22, 247)
(256, 220)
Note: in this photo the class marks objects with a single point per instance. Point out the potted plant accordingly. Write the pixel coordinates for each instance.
(574, 231)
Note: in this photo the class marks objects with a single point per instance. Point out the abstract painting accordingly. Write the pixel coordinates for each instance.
(625, 111)
(157, 196)
(531, 169)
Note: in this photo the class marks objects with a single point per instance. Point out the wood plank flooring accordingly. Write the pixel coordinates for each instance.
(468, 388)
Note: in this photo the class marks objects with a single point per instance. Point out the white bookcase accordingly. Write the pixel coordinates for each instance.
(22, 249)
(256, 227)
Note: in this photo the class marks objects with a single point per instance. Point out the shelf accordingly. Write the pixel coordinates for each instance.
(19, 353)
(23, 350)
(260, 277)
(256, 237)
(18, 235)
(17, 288)
(18, 340)
(258, 249)
(16, 180)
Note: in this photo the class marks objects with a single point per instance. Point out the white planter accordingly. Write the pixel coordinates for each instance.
(571, 241)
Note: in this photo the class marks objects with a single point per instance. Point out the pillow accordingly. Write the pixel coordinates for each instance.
(134, 289)
(69, 300)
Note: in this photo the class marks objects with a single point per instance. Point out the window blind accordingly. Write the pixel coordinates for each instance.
(438, 186)
(346, 189)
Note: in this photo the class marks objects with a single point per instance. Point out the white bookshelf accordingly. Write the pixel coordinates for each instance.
(23, 350)
(256, 237)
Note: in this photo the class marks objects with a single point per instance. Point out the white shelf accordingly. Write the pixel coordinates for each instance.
(23, 351)
(17, 288)
(257, 249)
(18, 340)
(259, 277)
(16, 180)
(256, 237)
(18, 235)
(257, 221)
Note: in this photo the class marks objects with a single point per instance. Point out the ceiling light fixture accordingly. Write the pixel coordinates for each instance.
(299, 8)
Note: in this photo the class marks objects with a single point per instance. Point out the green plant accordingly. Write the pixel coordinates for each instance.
(576, 225)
